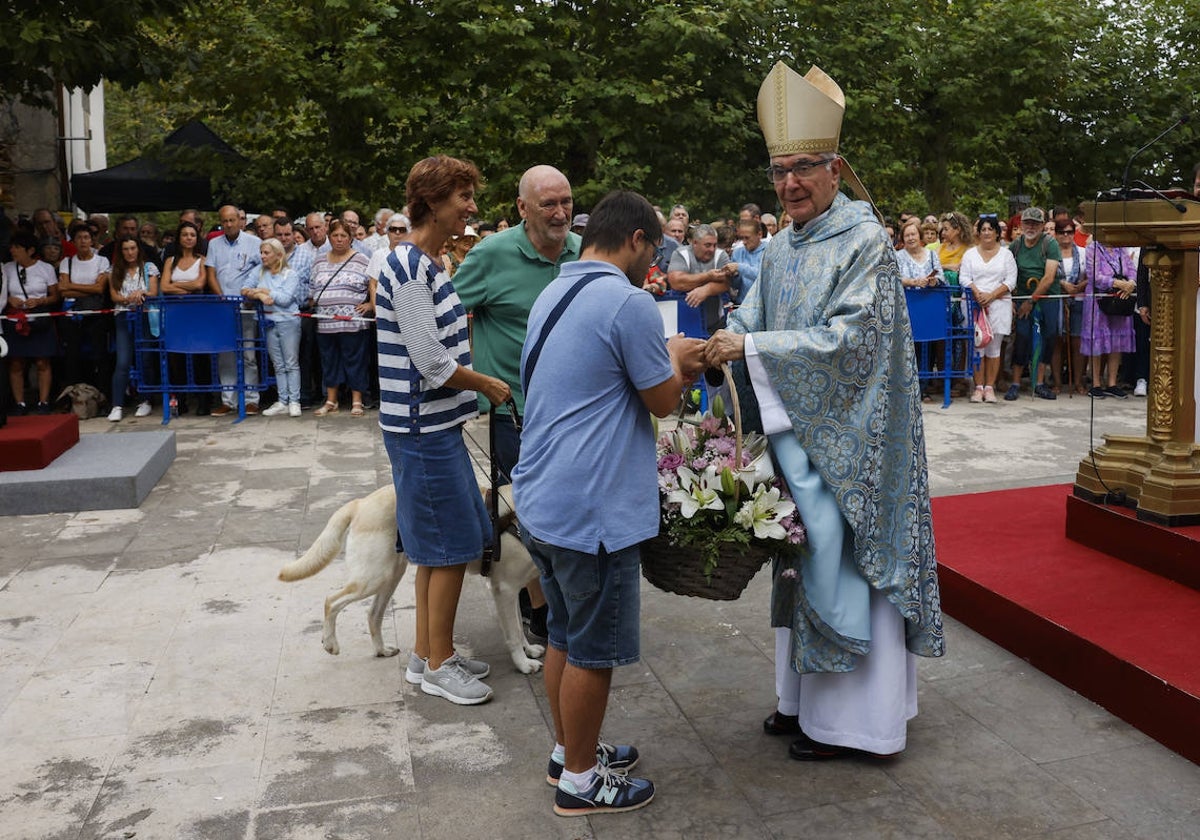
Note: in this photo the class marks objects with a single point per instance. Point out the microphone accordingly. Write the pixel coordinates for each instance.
(1180, 120)
(1178, 205)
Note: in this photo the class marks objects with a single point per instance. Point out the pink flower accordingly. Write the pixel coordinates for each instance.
(671, 461)
(712, 425)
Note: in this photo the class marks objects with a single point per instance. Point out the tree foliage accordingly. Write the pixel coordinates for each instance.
(949, 102)
(47, 42)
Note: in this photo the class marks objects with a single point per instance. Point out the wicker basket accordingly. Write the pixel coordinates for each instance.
(679, 569)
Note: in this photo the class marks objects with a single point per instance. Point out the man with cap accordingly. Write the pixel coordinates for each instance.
(824, 338)
(1037, 256)
(579, 223)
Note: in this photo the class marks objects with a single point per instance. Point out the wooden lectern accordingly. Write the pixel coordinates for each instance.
(1159, 472)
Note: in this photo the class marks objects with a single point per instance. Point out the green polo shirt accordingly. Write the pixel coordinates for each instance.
(1031, 264)
(498, 282)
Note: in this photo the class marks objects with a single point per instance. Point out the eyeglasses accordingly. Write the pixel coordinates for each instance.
(397, 230)
(1061, 231)
(659, 251)
(801, 169)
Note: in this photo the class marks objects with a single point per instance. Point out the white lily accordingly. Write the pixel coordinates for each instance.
(759, 471)
(697, 492)
(763, 512)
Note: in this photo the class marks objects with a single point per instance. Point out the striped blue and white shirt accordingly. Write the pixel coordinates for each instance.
(422, 341)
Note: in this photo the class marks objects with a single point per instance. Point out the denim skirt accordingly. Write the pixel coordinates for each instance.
(439, 510)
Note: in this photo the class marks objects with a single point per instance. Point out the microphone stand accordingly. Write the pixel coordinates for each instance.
(1125, 176)
(1178, 205)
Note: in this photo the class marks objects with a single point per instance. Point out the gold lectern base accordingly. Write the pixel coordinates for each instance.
(1162, 480)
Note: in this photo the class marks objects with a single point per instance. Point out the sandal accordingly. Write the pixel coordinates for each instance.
(356, 410)
(328, 408)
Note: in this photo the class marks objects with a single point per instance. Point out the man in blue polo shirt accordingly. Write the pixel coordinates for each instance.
(587, 486)
(233, 265)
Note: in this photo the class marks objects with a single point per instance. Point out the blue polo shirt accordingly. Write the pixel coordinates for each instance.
(588, 472)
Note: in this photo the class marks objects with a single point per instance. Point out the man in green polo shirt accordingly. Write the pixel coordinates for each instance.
(498, 282)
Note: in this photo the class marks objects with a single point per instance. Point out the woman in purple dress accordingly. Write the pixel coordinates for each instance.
(1106, 271)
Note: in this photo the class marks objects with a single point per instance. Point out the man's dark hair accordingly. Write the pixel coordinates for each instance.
(753, 209)
(280, 213)
(1060, 210)
(283, 223)
(126, 218)
(618, 215)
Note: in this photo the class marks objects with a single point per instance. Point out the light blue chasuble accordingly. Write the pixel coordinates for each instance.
(831, 329)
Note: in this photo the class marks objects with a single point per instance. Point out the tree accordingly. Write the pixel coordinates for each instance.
(950, 103)
(78, 44)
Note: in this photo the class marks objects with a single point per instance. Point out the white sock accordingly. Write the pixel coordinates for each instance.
(559, 754)
(581, 781)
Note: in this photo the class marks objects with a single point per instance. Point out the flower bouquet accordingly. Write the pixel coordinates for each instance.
(724, 511)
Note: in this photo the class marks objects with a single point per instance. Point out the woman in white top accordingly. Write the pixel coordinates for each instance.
(83, 282)
(183, 272)
(133, 280)
(990, 272)
(32, 290)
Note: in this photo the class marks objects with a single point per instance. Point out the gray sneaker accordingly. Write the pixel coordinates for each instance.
(416, 668)
(455, 683)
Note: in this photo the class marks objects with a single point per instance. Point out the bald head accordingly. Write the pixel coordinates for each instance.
(538, 178)
(544, 202)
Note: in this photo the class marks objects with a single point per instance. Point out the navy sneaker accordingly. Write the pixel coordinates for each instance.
(1012, 393)
(1045, 392)
(1097, 393)
(610, 793)
(1117, 391)
(619, 758)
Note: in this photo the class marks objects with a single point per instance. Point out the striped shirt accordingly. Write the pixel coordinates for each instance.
(338, 288)
(422, 341)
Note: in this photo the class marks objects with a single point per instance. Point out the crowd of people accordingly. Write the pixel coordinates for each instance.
(1034, 273)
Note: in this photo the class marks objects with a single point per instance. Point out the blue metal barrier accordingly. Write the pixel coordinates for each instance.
(931, 311)
(199, 324)
(678, 317)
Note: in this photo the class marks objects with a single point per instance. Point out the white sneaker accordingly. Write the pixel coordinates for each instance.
(1139, 390)
(294, 409)
(275, 410)
(143, 409)
(116, 414)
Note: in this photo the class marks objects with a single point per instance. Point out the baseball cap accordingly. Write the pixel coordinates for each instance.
(1033, 214)
(580, 221)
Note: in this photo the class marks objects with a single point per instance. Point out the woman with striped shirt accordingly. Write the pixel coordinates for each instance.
(343, 293)
(427, 392)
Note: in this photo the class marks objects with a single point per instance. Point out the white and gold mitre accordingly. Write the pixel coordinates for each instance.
(800, 114)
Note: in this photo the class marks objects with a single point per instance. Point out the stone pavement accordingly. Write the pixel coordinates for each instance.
(158, 682)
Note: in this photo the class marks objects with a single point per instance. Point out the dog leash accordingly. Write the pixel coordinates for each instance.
(491, 553)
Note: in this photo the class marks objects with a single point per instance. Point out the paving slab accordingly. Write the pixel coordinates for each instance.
(158, 681)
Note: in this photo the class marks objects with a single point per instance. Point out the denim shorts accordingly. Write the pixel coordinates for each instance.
(594, 601)
(439, 510)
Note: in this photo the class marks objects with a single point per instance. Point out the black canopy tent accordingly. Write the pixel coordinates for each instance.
(153, 183)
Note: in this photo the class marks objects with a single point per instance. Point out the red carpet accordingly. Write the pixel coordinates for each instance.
(1116, 633)
(31, 443)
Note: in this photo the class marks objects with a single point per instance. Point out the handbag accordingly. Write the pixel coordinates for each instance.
(1112, 305)
(983, 329)
(1117, 307)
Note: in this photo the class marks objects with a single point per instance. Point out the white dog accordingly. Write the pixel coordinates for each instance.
(368, 526)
